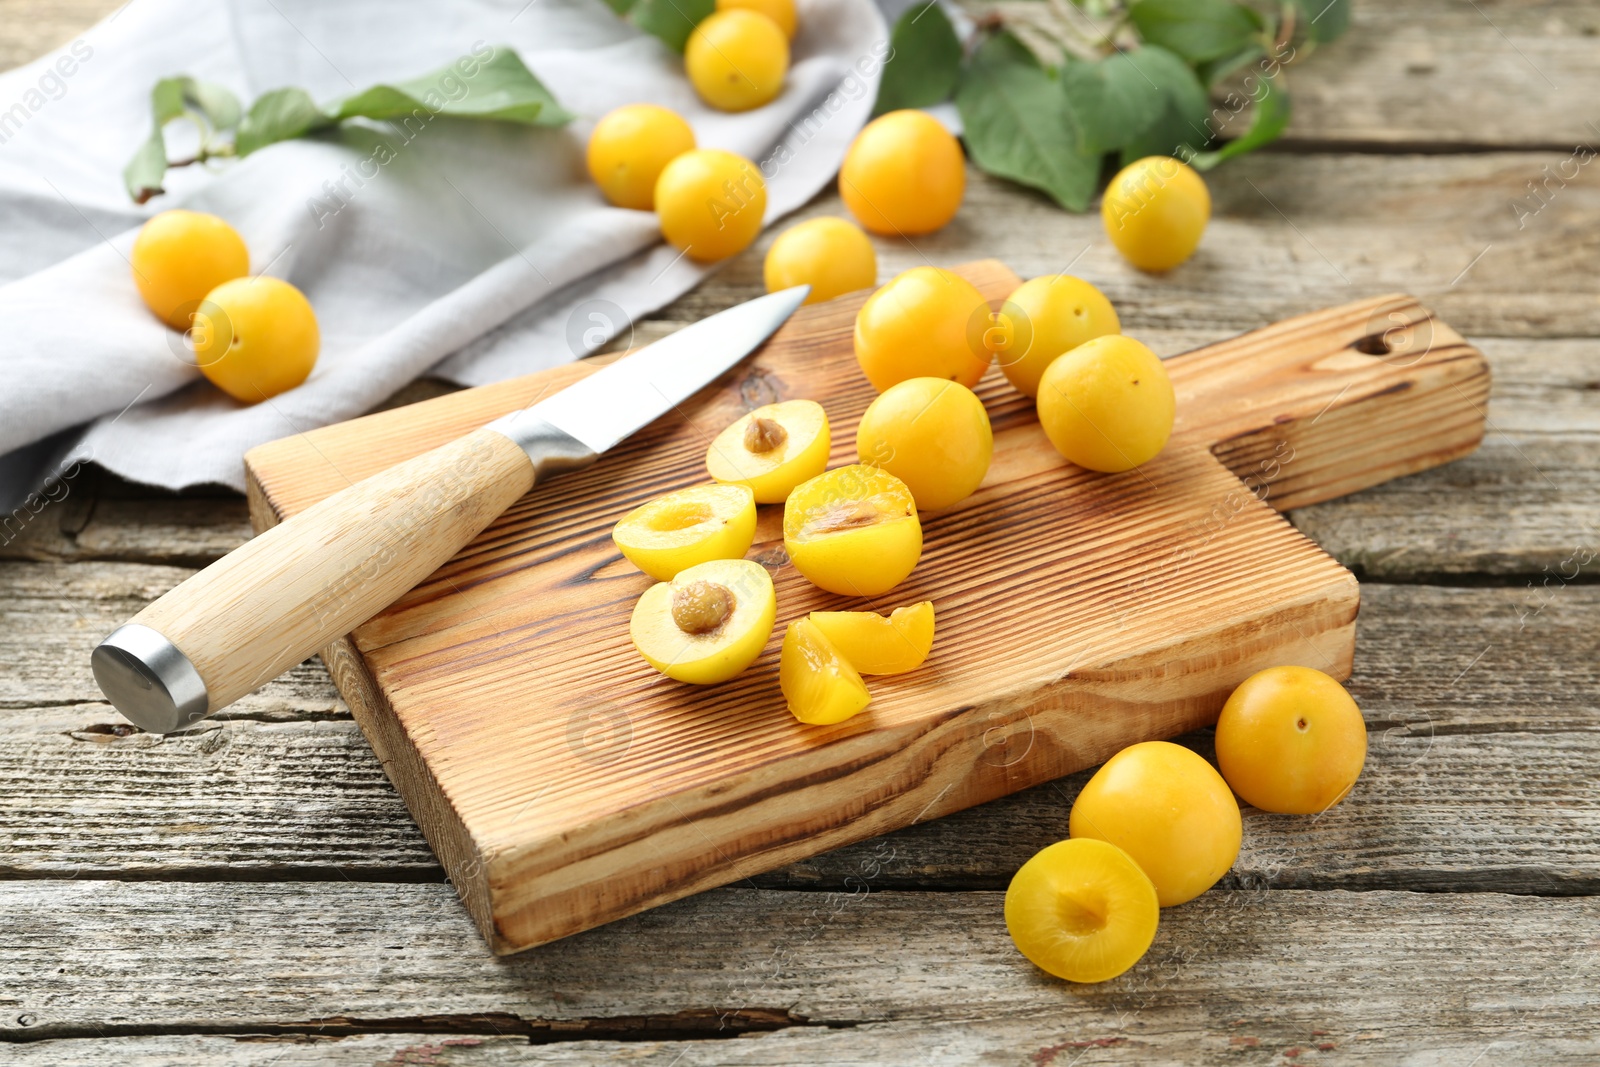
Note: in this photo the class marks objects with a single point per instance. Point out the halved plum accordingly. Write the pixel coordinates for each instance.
(853, 530)
(772, 449)
(708, 623)
(686, 528)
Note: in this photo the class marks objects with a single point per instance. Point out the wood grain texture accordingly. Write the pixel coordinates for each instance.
(1438, 75)
(52, 615)
(1524, 504)
(1290, 232)
(1408, 73)
(1415, 73)
(1232, 975)
(96, 516)
(1475, 780)
(1517, 506)
(1024, 1041)
(588, 791)
(34, 27)
(1483, 727)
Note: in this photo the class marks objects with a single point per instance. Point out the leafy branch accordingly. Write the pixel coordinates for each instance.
(1047, 89)
(487, 83)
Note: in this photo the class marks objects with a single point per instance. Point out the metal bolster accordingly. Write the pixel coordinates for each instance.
(552, 450)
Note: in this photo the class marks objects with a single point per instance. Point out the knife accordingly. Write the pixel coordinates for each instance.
(286, 593)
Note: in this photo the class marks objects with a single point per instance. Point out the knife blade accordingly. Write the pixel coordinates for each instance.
(289, 591)
(618, 399)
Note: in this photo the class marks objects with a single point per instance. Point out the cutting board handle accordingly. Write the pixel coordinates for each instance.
(1329, 403)
(286, 593)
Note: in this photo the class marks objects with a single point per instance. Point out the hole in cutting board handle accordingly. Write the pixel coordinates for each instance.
(1375, 344)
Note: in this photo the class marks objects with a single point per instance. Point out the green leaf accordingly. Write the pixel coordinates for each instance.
(1196, 30)
(1270, 118)
(1141, 99)
(1170, 135)
(501, 88)
(1019, 124)
(1214, 70)
(218, 106)
(279, 115)
(1114, 100)
(1180, 125)
(1094, 111)
(214, 107)
(147, 170)
(671, 20)
(1322, 20)
(166, 99)
(621, 7)
(493, 84)
(924, 60)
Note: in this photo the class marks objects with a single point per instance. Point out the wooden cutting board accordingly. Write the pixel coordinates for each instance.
(563, 783)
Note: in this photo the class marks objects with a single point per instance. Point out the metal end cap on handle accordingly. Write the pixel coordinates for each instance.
(149, 680)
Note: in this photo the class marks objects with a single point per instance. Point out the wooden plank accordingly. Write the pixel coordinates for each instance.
(1519, 504)
(1476, 780)
(1436, 810)
(239, 799)
(1025, 1039)
(1523, 504)
(1408, 73)
(1459, 971)
(53, 614)
(261, 1050)
(1418, 72)
(1414, 74)
(90, 514)
(1288, 233)
(33, 27)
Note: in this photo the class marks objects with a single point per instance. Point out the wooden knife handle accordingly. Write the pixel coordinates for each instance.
(269, 604)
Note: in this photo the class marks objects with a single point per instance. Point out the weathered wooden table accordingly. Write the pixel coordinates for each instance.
(252, 890)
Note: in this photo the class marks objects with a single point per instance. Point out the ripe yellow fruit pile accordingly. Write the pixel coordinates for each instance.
(853, 531)
(903, 176)
(252, 337)
(1104, 399)
(710, 203)
(1157, 825)
(925, 443)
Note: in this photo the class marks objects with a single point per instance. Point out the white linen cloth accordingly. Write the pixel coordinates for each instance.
(468, 255)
